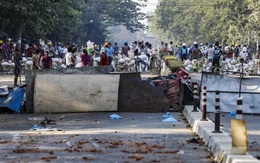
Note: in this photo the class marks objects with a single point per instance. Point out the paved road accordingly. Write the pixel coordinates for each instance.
(253, 130)
(93, 137)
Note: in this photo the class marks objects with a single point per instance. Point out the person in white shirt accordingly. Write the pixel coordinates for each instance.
(70, 60)
(243, 54)
(170, 48)
(210, 53)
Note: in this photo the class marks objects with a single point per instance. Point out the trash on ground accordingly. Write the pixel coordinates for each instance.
(4, 91)
(167, 115)
(46, 121)
(193, 140)
(36, 118)
(115, 116)
(14, 100)
(232, 114)
(181, 152)
(169, 120)
(42, 128)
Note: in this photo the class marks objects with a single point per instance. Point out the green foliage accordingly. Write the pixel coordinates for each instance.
(67, 20)
(172, 62)
(230, 21)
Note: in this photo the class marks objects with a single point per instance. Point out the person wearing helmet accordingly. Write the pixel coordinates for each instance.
(244, 53)
(183, 52)
(51, 49)
(196, 53)
(125, 48)
(191, 49)
(103, 56)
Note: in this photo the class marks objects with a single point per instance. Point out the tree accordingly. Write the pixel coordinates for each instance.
(230, 21)
(67, 20)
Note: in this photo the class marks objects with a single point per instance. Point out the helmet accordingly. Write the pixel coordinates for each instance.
(1, 41)
(9, 39)
(183, 44)
(106, 43)
(244, 49)
(125, 43)
(201, 44)
(195, 43)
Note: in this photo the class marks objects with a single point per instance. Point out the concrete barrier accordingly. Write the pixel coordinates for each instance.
(219, 143)
(30, 79)
(75, 93)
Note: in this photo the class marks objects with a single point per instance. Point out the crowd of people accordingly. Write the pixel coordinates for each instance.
(212, 52)
(43, 54)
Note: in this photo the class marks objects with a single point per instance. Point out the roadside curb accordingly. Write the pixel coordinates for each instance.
(220, 144)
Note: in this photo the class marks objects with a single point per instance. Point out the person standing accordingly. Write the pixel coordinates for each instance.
(103, 56)
(85, 58)
(170, 48)
(210, 53)
(196, 53)
(125, 48)
(51, 49)
(183, 52)
(109, 51)
(216, 58)
(70, 60)
(36, 59)
(244, 54)
(1, 51)
(116, 49)
(18, 65)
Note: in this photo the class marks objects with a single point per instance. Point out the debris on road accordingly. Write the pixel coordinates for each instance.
(115, 117)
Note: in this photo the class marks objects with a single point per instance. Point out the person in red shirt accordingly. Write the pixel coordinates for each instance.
(85, 58)
(46, 61)
(103, 56)
(29, 52)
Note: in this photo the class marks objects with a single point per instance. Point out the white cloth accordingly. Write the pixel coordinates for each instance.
(169, 48)
(68, 57)
(243, 55)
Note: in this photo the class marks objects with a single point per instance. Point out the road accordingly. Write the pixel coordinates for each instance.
(93, 137)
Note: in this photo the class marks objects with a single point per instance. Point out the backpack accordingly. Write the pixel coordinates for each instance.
(184, 51)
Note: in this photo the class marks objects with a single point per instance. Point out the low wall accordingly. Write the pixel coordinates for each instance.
(30, 80)
(75, 93)
(92, 89)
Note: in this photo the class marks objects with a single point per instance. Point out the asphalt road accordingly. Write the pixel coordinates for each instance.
(94, 137)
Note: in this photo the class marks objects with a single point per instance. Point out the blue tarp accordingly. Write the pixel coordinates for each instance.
(14, 100)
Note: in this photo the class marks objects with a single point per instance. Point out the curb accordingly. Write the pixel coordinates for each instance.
(220, 144)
